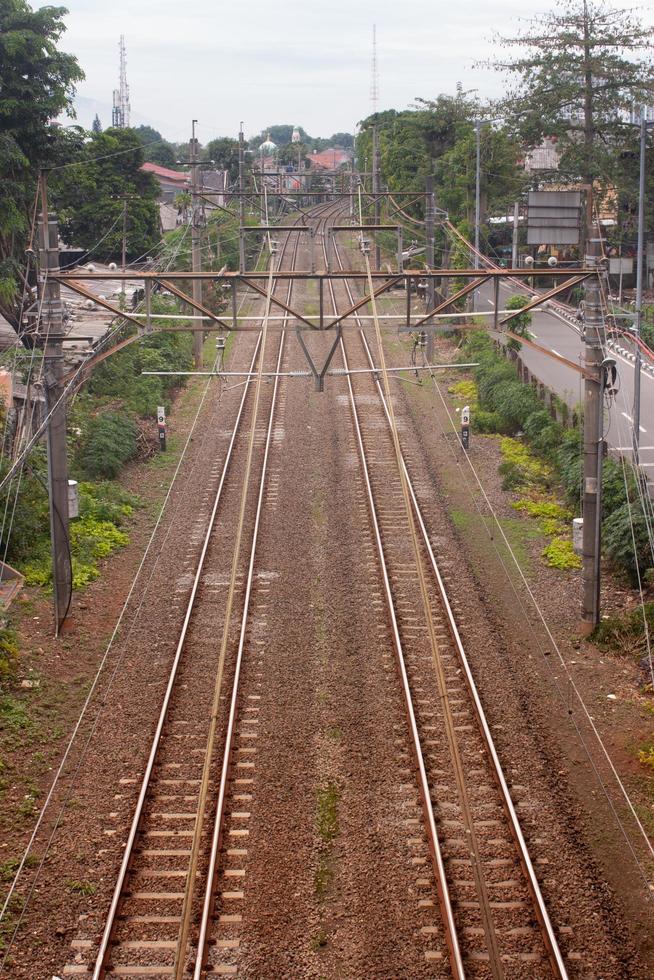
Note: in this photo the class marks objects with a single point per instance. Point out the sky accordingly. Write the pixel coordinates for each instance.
(301, 62)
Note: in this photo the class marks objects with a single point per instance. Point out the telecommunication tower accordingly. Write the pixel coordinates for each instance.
(374, 81)
(121, 108)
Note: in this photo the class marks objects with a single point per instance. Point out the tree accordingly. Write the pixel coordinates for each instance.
(37, 84)
(346, 140)
(438, 138)
(97, 125)
(224, 152)
(502, 178)
(155, 148)
(579, 78)
(90, 203)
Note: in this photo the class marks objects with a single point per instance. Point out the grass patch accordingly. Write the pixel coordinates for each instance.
(625, 634)
(327, 812)
(81, 887)
(461, 519)
(320, 940)
(323, 877)
(559, 553)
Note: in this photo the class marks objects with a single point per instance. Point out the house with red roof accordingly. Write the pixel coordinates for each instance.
(330, 159)
(171, 182)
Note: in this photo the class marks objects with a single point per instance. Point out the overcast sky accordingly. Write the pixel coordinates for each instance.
(296, 61)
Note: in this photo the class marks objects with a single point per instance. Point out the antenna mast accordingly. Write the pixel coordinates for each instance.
(121, 108)
(374, 82)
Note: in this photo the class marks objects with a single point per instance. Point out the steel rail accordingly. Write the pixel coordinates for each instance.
(101, 964)
(208, 904)
(435, 851)
(551, 944)
(111, 920)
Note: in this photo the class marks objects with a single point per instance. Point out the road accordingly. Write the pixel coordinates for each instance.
(560, 336)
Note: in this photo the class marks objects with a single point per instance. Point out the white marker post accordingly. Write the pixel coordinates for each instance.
(465, 426)
(161, 426)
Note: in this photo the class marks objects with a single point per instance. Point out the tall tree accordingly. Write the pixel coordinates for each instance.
(91, 202)
(37, 84)
(155, 148)
(97, 125)
(224, 153)
(578, 73)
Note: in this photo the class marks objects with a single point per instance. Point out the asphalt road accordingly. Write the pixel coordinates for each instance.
(560, 336)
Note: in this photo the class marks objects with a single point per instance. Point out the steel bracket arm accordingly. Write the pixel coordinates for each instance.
(278, 302)
(196, 306)
(319, 376)
(468, 288)
(362, 302)
(87, 294)
(543, 297)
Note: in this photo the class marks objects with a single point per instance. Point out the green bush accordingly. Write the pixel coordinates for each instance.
(110, 443)
(8, 650)
(513, 402)
(483, 421)
(626, 632)
(560, 554)
(620, 530)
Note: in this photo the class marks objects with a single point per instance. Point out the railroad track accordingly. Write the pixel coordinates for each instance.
(493, 922)
(160, 918)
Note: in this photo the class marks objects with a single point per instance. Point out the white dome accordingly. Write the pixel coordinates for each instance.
(267, 148)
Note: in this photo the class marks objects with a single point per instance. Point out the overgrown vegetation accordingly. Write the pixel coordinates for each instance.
(547, 453)
(94, 535)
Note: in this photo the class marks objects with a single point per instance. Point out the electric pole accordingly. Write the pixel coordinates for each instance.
(429, 258)
(514, 241)
(375, 191)
(123, 257)
(51, 334)
(594, 343)
(640, 257)
(241, 200)
(477, 201)
(196, 254)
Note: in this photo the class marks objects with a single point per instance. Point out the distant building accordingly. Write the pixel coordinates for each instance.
(171, 182)
(216, 181)
(296, 138)
(543, 157)
(330, 159)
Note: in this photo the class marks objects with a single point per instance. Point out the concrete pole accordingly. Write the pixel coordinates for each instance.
(595, 339)
(516, 229)
(375, 190)
(123, 258)
(640, 256)
(196, 254)
(51, 333)
(241, 200)
(429, 258)
(477, 201)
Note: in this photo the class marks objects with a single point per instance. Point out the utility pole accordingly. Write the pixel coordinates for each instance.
(241, 200)
(123, 258)
(429, 258)
(594, 343)
(51, 333)
(640, 258)
(375, 191)
(196, 254)
(477, 201)
(514, 241)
